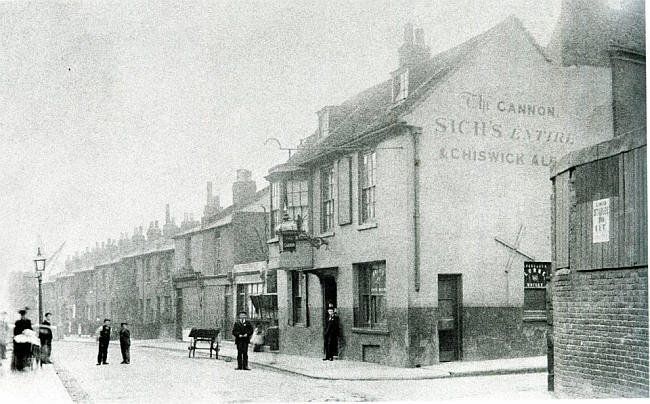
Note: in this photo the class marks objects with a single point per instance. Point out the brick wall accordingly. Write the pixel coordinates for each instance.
(601, 333)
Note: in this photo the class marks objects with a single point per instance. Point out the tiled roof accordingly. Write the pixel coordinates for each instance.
(373, 109)
(220, 217)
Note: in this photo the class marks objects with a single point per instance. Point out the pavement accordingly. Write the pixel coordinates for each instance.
(340, 369)
(42, 384)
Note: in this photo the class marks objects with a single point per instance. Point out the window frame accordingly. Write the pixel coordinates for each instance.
(275, 205)
(367, 186)
(302, 209)
(370, 305)
(327, 198)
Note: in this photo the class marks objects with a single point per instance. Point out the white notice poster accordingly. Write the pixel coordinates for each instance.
(601, 221)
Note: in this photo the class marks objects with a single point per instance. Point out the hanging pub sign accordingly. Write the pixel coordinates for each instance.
(536, 273)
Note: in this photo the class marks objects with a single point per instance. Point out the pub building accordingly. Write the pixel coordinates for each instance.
(420, 207)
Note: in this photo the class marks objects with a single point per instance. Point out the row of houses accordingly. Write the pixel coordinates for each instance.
(420, 208)
(196, 274)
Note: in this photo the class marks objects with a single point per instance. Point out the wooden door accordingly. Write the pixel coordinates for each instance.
(449, 330)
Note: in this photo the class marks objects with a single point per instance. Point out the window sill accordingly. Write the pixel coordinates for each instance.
(374, 331)
(367, 225)
(534, 316)
(326, 234)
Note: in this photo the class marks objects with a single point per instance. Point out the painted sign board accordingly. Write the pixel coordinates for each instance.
(536, 273)
(601, 221)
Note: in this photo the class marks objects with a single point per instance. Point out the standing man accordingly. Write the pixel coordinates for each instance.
(242, 331)
(331, 334)
(125, 343)
(45, 335)
(104, 337)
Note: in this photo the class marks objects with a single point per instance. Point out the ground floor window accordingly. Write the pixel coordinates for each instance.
(244, 302)
(370, 304)
(298, 298)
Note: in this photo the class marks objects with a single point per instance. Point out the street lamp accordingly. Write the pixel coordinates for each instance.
(39, 265)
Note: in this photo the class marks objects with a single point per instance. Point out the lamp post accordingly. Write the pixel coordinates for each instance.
(39, 264)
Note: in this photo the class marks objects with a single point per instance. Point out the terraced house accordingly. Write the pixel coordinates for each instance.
(221, 263)
(420, 207)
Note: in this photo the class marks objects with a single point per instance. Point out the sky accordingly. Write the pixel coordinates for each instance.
(109, 110)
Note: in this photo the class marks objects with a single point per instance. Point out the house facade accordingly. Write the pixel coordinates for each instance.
(422, 204)
(221, 261)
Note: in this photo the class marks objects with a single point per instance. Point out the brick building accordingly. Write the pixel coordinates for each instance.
(599, 305)
(221, 261)
(423, 202)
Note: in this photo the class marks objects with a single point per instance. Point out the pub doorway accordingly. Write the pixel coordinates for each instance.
(328, 284)
(449, 323)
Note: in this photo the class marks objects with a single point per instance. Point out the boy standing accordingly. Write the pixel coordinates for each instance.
(125, 343)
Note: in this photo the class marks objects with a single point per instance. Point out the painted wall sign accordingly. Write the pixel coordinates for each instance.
(601, 221)
(536, 273)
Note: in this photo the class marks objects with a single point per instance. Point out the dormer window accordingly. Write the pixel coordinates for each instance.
(324, 122)
(401, 85)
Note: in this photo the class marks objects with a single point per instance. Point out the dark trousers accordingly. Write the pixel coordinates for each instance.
(103, 352)
(242, 354)
(330, 346)
(126, 354)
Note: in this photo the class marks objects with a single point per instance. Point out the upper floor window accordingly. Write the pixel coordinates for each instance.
(217, 254)
(298, 203)
(368, 172)
(401, 86)
(327, 198)
(275, 206)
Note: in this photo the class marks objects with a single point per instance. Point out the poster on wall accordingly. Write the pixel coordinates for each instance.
(536, 273)
(601, 221)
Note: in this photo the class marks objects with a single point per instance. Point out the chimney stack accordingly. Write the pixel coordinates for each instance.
(413, 50)
(243, 190)
(408, 34)
(209, 201)
(167, 214)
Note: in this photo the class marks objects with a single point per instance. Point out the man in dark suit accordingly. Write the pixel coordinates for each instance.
(45, 335)
(104, 337)
(242, 331)
(125, 343)
(331, 334)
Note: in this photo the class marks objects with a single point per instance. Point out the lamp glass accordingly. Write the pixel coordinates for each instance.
(39, 262)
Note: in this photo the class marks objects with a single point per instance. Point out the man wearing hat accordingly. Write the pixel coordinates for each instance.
(104, 337)
(22, 351)
(242, 331)
(45, 335)
(125, 343)
(331, 333)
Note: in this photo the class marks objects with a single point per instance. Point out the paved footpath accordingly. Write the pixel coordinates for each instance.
(354, 370)
(41, 385)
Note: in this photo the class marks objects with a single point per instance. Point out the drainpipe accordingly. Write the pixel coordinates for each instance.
(415, 133)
